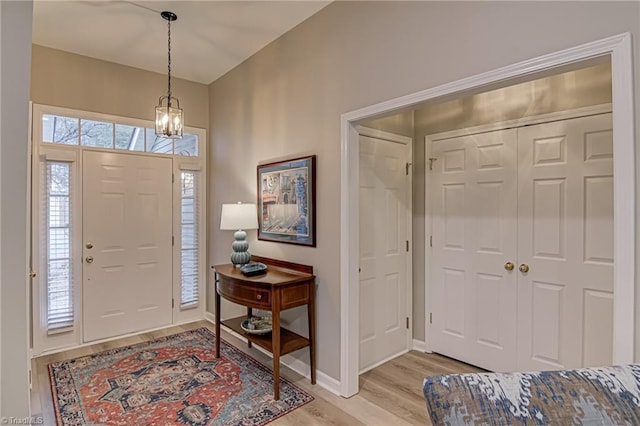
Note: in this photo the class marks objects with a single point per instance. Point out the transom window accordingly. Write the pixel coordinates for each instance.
(63, 130)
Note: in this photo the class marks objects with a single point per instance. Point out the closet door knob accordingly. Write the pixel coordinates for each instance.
(509, 266)
(524, 268)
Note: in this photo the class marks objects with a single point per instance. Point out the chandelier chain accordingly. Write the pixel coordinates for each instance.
(169, 118)
(169, 60)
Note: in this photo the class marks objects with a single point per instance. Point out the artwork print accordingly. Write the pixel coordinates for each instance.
(286, 201)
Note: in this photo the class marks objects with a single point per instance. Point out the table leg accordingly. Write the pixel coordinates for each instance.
(217, 325)
(249, 315)
(311, 313)
(275, 343)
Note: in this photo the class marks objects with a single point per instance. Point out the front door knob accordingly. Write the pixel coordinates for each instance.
(509, 266)
(89, 246)
(89, 259)
(524, 268)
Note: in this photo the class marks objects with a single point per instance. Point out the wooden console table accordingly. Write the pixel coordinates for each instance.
(285, 285)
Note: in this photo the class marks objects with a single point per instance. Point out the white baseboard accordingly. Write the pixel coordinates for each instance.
(328, 382)
(208, 316)
(419, 345)
(300, 367)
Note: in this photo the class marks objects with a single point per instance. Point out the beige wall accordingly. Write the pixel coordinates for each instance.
(287, 100)
(569, 90)
(399, 124)
(15, 52)
(68, 80)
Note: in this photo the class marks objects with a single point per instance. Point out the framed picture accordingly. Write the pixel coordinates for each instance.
(287, 201)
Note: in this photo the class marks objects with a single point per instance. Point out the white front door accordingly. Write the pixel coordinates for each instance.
(384, 286)
(565, 237)
(474, 199)
(127, 243)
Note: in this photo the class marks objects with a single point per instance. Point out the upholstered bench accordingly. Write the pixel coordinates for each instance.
(591, 396)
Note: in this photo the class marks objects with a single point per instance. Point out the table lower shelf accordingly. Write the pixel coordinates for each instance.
(289, 341)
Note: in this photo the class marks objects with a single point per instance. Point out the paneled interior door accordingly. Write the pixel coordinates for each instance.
(384, 286)
(127, 243)
(565, 237)
(474, 226)
(541, 198)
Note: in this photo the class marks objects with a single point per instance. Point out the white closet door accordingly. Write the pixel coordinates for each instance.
(474, 209)
(384, 286)
(127, 228)
(565, 236)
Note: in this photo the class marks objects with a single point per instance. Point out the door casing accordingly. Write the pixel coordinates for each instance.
(618, 47)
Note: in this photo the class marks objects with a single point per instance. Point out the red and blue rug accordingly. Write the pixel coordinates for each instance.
(173, 380)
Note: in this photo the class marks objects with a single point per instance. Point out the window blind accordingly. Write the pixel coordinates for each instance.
(57, 253)
(190, 219)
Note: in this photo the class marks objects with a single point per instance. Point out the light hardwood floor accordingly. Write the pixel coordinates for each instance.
(389, 395)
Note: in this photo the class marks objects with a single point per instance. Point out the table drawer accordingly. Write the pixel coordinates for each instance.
(244, 294)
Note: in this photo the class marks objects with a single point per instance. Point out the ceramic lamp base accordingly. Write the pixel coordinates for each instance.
(240, 255)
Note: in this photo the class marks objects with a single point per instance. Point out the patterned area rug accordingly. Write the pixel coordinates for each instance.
(586, 396)
(174, 380)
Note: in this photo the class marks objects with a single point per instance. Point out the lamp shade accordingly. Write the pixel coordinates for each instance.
(239, 216)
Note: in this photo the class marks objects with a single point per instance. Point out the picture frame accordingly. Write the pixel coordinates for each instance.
(287, 201)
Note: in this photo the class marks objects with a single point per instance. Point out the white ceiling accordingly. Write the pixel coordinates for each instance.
(208, 39)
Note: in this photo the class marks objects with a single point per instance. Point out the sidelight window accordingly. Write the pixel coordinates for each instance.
(57, 248)
(190, 270)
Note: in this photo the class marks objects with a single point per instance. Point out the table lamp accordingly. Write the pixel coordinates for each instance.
(239, 217)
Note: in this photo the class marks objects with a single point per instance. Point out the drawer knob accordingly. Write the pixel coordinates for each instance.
(259, 296)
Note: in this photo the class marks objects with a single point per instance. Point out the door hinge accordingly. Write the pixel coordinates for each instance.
(430, 240)
(407, 245)
(173, 303)
(173, 178)
(430, 317)
(406, 168)
(173, 240)
(431, 160)
(407, 322)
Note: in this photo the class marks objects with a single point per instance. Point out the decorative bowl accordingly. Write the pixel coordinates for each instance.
(257, 325)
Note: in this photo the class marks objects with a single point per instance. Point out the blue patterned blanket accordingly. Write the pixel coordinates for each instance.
(588, 396)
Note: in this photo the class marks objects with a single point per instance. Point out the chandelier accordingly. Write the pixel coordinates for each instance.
(169, 117)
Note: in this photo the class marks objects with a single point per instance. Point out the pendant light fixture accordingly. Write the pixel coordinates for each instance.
(169, 118)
